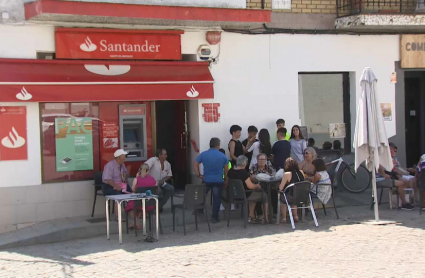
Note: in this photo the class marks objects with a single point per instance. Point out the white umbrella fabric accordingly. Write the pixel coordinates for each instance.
(370, 137)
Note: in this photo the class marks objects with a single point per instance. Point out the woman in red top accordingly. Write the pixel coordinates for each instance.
(142, 180)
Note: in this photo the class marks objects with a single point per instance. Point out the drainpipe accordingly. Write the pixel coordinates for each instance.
(262, 4)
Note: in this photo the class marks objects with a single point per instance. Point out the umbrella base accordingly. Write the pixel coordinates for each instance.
(380, 223)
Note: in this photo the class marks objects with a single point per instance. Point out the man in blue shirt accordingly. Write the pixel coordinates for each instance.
(214, 164)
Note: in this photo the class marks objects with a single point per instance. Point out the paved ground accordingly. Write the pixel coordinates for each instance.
(338, 248)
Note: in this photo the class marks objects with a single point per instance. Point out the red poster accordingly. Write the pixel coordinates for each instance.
(110, 130)
(78, 43)
(211, 112)
(13, 133)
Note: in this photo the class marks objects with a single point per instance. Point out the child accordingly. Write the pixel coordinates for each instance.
(323, 192)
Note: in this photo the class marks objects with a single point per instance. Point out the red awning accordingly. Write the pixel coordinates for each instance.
(64, 81)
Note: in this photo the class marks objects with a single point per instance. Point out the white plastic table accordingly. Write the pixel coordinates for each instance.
(130, 197)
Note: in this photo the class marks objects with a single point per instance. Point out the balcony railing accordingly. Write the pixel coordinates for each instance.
(353, 7)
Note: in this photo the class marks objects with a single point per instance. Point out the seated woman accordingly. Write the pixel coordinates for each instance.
(142, 180)
(323, 192)
(307, 164)
(292, 175)
(239, 173)
(263, 166)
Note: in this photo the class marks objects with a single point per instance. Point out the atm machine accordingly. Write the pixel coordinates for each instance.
(133, 131)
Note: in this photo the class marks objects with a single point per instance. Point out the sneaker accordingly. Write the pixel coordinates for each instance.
(222, 207)
(215, 220)
(232, 207)
(407, 207)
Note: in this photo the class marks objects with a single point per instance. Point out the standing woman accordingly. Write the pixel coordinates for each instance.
(263, 145)
(298, 144)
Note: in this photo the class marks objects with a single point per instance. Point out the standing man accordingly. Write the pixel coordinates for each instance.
(235, 146)
(215, 163)
(280, 123)
(160, 170)
(281, 150)
(252, 138)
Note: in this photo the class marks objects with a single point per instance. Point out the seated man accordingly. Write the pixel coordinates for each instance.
(383, 177)
(403, 174)
(160, 170)
(115, 173)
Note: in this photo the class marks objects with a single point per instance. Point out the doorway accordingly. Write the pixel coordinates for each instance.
(172, 134)
(414, 105)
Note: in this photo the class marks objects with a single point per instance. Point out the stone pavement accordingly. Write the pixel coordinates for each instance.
(337, 248)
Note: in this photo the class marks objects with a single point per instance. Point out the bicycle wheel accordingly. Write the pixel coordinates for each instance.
(356, 182)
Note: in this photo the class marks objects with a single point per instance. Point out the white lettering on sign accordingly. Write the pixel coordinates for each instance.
(125, 47)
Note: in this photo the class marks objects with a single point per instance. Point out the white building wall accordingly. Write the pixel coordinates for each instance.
(257, 76)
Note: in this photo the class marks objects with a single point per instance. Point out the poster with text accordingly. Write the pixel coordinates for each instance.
(13, 133)
(74, 144)
(337, 130)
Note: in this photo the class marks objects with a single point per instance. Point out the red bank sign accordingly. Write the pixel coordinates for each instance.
(13, 133)
(73, 43)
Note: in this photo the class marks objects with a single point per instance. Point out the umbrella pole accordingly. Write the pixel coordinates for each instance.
(375, 195)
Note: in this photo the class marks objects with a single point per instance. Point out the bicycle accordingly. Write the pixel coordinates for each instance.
(354, 182)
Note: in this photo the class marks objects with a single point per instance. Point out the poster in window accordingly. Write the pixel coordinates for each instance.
(387, 111)
(337, 130)
(74, 144)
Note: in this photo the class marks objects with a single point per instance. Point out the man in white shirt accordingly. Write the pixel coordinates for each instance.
(160, 170)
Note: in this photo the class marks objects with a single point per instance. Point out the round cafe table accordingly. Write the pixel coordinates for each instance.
(268, 186)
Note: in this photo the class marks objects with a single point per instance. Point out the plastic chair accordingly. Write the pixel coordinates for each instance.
(387, 183)
(97, 188)
(138, 203)
(236, 194)
(421, 189)
(301, 198)
(194, 199)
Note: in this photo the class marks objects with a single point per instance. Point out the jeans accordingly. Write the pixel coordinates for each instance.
(216, 193)
(166, 191)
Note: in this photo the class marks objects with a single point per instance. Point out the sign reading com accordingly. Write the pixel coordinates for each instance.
(113, 45)
(74, 144)
(412, 48)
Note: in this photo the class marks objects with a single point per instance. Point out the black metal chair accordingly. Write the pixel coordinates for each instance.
(301, 198)
(387, 183)
(194, 199)
(97, 188)
(236, 194)
(421, 189)
(151, 213)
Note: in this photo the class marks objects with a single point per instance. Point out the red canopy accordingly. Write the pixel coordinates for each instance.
(65, 81)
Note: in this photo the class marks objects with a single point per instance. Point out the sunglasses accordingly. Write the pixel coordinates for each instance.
(306, 153)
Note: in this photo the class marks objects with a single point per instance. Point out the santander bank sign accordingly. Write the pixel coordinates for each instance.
(72, 43)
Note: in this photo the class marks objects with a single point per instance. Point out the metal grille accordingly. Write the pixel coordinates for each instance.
(353, 7)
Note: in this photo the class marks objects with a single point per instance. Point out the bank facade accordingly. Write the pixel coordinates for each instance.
(67, 105)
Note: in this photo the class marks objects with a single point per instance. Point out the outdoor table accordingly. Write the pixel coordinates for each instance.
(269, 184)
(130, 197)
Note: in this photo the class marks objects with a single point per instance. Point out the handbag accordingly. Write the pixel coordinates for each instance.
(392, 174)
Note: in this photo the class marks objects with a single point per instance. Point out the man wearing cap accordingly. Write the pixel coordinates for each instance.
(115, 172)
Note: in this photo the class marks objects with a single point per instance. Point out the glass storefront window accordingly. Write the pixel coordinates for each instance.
(70, 111)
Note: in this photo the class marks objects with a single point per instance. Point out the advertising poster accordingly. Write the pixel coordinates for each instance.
(387, 111)
(13, 133)
(74, 144)
(337, 130)
(110, 135)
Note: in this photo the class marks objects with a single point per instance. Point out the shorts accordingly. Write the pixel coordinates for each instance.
(258, 196)
(407, 177)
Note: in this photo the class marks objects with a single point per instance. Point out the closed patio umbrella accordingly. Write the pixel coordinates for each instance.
(370, 137)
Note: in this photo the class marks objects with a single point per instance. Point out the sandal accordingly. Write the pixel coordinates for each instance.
(282, 220)
(265, 221)
(296, 219)
(252, 220)
(131, 227)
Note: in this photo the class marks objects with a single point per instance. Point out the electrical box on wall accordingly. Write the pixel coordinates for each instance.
(133, 137)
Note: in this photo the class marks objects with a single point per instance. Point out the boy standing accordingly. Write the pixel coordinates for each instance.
(252, 137)
(280, 123)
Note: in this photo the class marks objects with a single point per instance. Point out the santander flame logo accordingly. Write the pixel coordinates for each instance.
(88, 46)
(24, 95)
(13, 140)
(192, 92)
(108, 70)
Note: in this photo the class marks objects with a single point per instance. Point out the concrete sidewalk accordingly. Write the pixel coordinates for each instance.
(348, 204)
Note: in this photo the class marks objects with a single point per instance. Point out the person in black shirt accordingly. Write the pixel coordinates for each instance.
(281, 150)
(235, 146)
(239, 173)
(252, 136)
